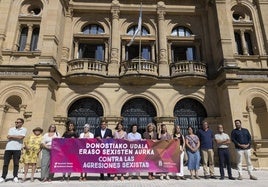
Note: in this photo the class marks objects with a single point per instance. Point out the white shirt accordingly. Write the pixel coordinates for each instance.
(134, 136)
(103, 132)
(16, 144)
(47, 140)
(222, 137)
(90, 135)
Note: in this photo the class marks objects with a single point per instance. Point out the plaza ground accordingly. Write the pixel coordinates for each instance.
(93, 180)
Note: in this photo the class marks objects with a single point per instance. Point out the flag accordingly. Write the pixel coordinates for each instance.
(138, 31)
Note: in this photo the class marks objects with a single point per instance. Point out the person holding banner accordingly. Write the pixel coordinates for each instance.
(120, 134)
(178, 135)
(46, 145)
(192, 143)
(164, 135)
(150, 134)
(134, 135)
(85, 134)
(101, 133)
(69, 133)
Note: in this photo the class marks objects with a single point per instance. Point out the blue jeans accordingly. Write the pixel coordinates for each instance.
(16, 159)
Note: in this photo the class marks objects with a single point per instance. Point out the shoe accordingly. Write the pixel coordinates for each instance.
(122, 178)
(139, 178)
(15, 179)
(167, 177)
(206, 177)
(192, 177)
(44, 180)
(129, 178)
(253, 177)
(221, 178)
(115, 178)
(178, 178)
(197, 177)
(80, 179)
(182, 178)
(2, 180)
(231, 178)
(240, 177)
(150, 177)
(213, 177)
(161, 177)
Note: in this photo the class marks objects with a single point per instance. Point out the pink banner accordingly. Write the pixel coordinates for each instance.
(114, 156)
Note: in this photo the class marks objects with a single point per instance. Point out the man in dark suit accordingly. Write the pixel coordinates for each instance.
(102, 133)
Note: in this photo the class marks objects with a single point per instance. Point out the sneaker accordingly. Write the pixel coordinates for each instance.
(161, 177)
(167, 177)
(231, 178)
(221, 178)
(253, 177)
(2, 180)
(15, 179)
(206, 177)
(240, 177)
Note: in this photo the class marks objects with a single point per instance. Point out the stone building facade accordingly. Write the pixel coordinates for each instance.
(192, 60)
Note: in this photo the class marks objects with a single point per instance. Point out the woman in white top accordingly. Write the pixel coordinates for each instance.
(134, 135)
(85, 134)
(46, 145)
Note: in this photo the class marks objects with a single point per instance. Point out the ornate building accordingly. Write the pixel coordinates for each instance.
(192, 60)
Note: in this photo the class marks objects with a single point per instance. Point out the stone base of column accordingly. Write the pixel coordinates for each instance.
(164, 70)
(113, 69)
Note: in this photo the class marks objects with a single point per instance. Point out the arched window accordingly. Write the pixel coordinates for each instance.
(34, 39)
(181, 32)
(133, 29)
(23, 38)
(93, 29)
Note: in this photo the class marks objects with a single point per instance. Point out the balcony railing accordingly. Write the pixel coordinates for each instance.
(86, 66)
(182, 68)
(190, 73)
(138, 66)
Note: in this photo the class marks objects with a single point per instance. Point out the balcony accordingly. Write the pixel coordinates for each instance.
(190, 73)
(138, 72)
(86, 71)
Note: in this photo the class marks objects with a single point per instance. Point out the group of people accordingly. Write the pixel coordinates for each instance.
(197, 146)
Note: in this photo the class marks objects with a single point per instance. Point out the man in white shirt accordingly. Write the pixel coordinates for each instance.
(13, 149)
(223, 140)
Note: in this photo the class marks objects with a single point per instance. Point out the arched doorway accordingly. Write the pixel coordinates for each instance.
(189, 112)
(86, 110)
(259, 117)
(139, 111)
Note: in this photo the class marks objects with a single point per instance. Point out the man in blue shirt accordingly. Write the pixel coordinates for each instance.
(242, 141)
(206, 137)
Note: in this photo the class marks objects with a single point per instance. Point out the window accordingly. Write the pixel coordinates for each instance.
(238, 44)
(181, 32)
(133, 52)
(93, 29)
(248, 43)
(23, 39)
(34, 39)
(182, 53)
(133, 29)
(95, 51)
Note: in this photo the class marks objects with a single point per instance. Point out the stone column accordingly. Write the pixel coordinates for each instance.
(106, 52)
(113, 68)
(76, 55)
(3, 110)
(16, 44)
(29, 38)
(243, 41)
(152, 51)
(162, 40)
(2, 38)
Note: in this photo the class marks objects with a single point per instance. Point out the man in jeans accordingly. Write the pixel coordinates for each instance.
(206, 137)
(242, 141)
(13, 149)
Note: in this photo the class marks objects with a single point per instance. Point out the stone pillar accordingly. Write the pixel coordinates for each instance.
(113, 68)
(76, 55)
(29, 38)
(123, 52)
(243, 42)
(153, 51)
(106, 58)
(162, 40)
(3, 110)
(67, 42)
